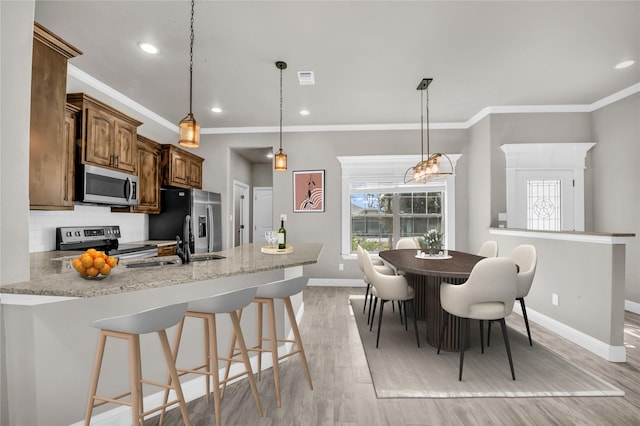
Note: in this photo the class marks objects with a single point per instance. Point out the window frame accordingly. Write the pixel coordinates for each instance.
(384, 173)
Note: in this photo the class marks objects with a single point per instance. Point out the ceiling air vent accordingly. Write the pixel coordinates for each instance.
(306, 78)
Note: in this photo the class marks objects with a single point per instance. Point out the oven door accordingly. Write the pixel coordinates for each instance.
(105, 186)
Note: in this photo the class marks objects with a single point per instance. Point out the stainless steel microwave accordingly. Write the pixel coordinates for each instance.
(104, 186)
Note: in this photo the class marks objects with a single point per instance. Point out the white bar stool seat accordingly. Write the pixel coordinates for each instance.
(130, 327)
(266, 294)
(206, 310)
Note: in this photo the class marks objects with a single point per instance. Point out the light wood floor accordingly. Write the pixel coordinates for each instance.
(343, 393)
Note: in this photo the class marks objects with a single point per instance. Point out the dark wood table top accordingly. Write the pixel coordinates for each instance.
(459, 266)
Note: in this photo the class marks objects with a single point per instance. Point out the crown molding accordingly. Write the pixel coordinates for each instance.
(80, 75)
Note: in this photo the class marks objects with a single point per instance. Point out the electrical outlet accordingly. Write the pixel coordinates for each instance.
(554, 299)
(283, 216)
(341, 267)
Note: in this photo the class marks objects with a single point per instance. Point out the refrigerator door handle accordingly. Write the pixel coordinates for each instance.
(210, 229)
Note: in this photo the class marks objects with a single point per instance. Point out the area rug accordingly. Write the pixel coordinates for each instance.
(399, 369)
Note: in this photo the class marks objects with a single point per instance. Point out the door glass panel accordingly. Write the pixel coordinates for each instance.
(544, 209)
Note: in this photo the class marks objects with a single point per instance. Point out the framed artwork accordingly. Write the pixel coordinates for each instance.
(308, 191)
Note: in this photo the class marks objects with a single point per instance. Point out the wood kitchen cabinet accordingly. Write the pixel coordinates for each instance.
(52, 130)
(181, 168)
(148, 167)
(148, 176)
(105, 136)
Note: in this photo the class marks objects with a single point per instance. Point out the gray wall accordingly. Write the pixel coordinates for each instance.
(318, 150)
(616, 179)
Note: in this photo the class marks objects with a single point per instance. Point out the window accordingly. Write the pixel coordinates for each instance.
(543, 204)
(378, 210)
(380, 219)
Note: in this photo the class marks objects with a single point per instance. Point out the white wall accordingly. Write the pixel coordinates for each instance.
(42, 224)
(16, 38)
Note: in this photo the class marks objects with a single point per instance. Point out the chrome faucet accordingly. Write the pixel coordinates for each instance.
(182, 250)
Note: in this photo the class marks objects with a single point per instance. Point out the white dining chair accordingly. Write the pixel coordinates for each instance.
(526, 257)
(389, 288)
(487, 295)
(380, 266)
(407, 243)
(489, 249)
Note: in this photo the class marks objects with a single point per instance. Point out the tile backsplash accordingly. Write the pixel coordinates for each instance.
(43, 224)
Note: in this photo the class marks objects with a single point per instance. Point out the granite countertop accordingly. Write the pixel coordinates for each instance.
(53, 275)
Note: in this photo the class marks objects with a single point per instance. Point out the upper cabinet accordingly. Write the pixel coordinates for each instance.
(148, 176)
(181, 168)
(106, 137)
(51, 146)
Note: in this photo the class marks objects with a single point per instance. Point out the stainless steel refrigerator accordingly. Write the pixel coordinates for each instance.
(205, 211)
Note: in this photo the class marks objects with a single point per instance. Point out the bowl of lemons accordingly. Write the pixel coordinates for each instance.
(94, 264)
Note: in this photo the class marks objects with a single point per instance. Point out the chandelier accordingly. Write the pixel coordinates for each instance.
(430, 169)
(189, 129)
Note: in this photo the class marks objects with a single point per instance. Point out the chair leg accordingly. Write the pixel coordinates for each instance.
(373, 314)
(505, 336)
(526, 320)
(298, 339)
(171, 365)
(463, 338)
(415, 321)
(274, 349)
(366, 295)
(404, 306)
(235, 320)
(231, 354)
(134, 375)
(489, 334)
(370, 303)
(482, 335)
(94, 377)
(400, 306)
(379, 321)
(442, 330)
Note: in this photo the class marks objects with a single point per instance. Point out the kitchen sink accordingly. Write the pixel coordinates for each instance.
(204, 257)
(150, 264)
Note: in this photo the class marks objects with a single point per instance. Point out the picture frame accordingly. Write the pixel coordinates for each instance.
(308, 191)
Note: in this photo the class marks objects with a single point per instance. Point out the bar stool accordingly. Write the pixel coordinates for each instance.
(130, 327)
(266, 294)
(206, 310)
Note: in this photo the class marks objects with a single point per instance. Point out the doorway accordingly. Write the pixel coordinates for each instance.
(240, 223)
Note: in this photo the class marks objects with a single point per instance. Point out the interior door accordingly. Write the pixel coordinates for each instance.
(544, 200)
(262, 212)
(240, 213)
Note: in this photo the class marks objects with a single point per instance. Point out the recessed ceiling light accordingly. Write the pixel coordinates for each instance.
(149, 48)
(304, 112)
(216, 109)
(624, 64)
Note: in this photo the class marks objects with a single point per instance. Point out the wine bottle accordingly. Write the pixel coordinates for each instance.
(282, 236)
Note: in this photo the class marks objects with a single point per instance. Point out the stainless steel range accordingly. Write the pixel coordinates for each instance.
(104, 238)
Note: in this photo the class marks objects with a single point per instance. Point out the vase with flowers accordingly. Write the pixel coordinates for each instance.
(431, 241)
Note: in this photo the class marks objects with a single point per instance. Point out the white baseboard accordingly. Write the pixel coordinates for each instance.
(632, 307)
(598, 347)
(192, 389)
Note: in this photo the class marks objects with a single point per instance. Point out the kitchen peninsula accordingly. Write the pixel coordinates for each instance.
(47, 323)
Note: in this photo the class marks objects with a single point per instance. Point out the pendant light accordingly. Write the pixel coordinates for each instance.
(189, 128)
(280, 159)
(431, 168)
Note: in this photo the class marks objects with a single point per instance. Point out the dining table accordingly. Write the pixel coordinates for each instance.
(424, 274)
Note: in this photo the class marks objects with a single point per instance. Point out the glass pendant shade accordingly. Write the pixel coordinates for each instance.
(189, 132)
(280, 161)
